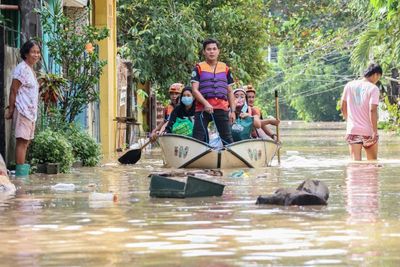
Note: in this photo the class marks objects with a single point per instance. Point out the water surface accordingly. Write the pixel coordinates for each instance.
(359, 227)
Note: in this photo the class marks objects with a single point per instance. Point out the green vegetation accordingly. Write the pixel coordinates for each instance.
(163, 38)
(70, 44)
(306, 49)
(84, 147)
(51, 147)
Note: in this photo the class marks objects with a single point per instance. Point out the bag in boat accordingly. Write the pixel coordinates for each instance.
(183, 127)
(242, 128)
(216, 141)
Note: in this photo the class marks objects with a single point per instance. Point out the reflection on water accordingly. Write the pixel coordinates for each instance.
(360, 226)
(362, 192)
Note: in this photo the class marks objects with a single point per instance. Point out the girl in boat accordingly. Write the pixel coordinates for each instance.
(247, 120)
(181, 118)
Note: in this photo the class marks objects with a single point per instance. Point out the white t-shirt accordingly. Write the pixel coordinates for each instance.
(360, 95)
(28, 94)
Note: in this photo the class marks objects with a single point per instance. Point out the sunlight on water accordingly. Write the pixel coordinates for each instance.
(104, 216)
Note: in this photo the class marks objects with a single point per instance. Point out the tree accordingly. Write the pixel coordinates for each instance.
(314, 40)
(160, 37)
(380, 43)
(163, 38)
(71, 46)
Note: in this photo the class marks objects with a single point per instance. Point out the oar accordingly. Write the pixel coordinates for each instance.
(277, 126)
(132, 156)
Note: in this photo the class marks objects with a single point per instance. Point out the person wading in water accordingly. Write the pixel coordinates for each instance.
(359, 106)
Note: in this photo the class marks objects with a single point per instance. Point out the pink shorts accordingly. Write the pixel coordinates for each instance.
(365, 141)
(24, 127)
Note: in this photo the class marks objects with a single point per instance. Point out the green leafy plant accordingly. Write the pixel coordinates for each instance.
(51, 88)
(51, 147)
(70, 44)
(84, 147)
(163, 38)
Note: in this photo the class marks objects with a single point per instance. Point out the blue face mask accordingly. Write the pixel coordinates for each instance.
(187, 100)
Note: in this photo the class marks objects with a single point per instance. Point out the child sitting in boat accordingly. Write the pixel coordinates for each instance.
(181, 118)
(246, 120)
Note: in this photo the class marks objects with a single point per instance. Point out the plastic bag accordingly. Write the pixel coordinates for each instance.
(242, 128)
(183, 127)
(215, 140)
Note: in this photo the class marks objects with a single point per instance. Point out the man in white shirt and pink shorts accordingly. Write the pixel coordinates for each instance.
(359, 106)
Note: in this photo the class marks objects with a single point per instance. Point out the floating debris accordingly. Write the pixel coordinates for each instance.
(63, 187)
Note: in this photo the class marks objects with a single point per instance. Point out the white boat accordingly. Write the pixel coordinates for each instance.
(186, 152)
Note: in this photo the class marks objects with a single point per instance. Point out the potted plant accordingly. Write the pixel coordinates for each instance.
(51, 148)
(51, 87)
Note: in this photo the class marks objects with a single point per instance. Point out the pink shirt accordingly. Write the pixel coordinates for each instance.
(360, 95)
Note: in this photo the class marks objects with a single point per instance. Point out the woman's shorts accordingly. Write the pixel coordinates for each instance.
(365, 141)
(24, 128)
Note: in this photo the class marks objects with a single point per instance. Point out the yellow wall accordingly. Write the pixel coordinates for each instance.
(104, 15)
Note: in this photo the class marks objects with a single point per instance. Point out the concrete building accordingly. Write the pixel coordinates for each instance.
(22, 23)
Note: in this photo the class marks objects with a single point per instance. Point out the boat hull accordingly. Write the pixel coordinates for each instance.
(186, 152)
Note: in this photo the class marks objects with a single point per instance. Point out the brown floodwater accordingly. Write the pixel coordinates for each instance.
(360, 226)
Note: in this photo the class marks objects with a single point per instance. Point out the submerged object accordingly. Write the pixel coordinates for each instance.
(309, 192)
(95, 196)
(194, 187)
(63, 187)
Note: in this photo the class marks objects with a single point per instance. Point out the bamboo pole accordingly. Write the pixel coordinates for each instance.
(277, 126)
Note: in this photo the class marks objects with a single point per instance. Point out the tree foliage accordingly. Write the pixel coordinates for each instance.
(314, 40)
(70, 45)
(163, 38)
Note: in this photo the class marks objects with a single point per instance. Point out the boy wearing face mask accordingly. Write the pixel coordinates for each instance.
(185, 110)
(174, 92)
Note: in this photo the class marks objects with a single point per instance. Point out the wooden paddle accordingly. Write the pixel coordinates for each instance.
(277, 126)
(132, 156)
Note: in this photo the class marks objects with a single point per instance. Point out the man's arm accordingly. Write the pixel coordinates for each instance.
(15, 85)
(200, 98)
(374, 119)
(171, 121)
(274, 122)
(232, 104)
(344, 109)
(268, 132)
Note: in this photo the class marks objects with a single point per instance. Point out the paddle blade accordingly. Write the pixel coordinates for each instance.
(130, 156)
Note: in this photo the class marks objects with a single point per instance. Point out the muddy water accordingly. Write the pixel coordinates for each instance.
(359, 227)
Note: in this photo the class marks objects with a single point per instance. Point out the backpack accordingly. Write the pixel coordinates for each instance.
(183, 126)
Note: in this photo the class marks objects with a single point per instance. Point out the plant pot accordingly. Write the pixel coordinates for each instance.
(52, 168)
(77, 164)
(41, 168)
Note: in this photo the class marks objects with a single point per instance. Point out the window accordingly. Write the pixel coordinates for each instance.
(11, 24)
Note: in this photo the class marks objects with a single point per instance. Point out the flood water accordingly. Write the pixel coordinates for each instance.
(359, 227)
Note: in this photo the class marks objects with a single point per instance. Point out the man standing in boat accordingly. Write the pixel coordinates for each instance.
(359, 106)
(212, 87)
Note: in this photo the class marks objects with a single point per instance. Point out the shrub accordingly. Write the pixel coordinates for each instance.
(51, 147)
(84, 147)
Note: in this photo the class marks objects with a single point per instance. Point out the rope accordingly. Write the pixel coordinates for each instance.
(216, 129)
